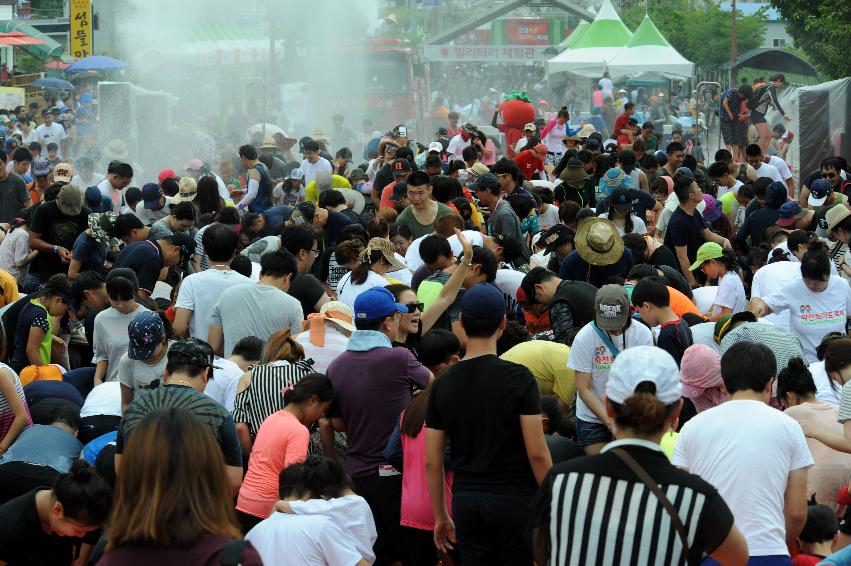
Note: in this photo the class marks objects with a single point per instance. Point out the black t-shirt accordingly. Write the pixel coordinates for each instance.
(563, 449)
(336, 222)
(146, 259)
(685, 230)
(478, 402)
(664, 256)
(674, 338)
(308, 290)
(24, 542)
(58, 229)
(598, 507)
(382, 178)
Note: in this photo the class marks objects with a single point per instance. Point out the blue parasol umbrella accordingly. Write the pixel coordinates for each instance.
(53, 82)
(95, 63)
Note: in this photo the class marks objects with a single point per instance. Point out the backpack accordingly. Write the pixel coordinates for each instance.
(759, 90)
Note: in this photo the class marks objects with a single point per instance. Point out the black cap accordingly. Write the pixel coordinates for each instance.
(185, 242)
(511, 248)
(400, 166)
(486, 181)
(192, 351)
(556, 236)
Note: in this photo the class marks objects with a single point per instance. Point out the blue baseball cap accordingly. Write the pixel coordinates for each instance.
(151, 193)
(483, 301)
(145, 331)
(819, 191)
(40, 167)
(788, 213)
(376, 303)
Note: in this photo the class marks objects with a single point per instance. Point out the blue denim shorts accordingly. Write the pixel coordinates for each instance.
(592, 433)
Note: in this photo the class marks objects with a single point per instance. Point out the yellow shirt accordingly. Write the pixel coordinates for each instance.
(548, 363)
(8, 288)
(311, 191)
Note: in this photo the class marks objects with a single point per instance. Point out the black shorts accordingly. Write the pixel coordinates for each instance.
(757, 117)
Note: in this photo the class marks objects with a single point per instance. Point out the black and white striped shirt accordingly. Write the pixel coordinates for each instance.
(595, 511)
(264, 397)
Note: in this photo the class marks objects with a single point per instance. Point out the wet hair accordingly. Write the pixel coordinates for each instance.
(220, 242)
(682, 187)
(249, 348)
(348, 251)
(514, 333)
(313, 384)
(87, 280)
(484, 258)
(637, 245)
(57, 286)
(837, 355)
(122, 171)
(170, 187)
(821, 526)
(448, 223)
(563, 113)
(85, 497)
(184, 211)
(551, 408)
(747, 366)
(506, 165)
(207, 199)
(242, 265)
(753, 150)
(132, 196)
(298, 237)
(291, 481)
(122, 284)
(778, 77)
(481, 327)
(126, 223)
(402, 231)
(469, 153)
(282, 346)
(815, 264)
(279, 263)
(568, 211)
(651, 290)
(434, 246)
(22, 155)
(674, 147)
(171, 490)
(249, 152)
(378, 228)
(825, 341)
(436, 347)
(795, 378)
(331, 198)
(325, 477)
(627, 160)
(352, 232)
(444, 188)
(228, 216)
(642, 412)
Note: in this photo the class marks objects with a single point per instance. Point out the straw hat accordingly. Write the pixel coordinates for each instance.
(319, 135)
(598, 242)
(388, 250)
(116, 149)
(587, 130)
(187, 190)
(574, 171)
(340, 314)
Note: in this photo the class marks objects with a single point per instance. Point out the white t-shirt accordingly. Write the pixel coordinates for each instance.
(589, 354)
(225, 380)
(348, 291)
(555, 137)
(111, 338)
(351, 512)
(308, 540)
(722, 190)
(311, 169)
(508, 281)
(200, 292)
(769, 278)
(456, 147)
(473, 236)
(548, 217)
(117, 197)
(704, 333)
(781, 166)
(730, 294)
(78, 181)
(14, 248)
(770, 171)
(139, 376)
(414, 261)
(812, 315)
(105, 399)
(747, 449)
(704, 297)
(148, 216)
(826, 390)
(54, 133)
(335, 344)
(638, 225)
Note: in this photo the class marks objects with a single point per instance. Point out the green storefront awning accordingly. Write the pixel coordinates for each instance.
(51, 49)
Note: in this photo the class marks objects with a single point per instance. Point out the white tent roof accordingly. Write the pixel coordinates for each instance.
(602, 40)
(649, 52)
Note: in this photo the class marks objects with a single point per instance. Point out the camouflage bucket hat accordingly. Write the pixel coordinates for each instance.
(102, 225)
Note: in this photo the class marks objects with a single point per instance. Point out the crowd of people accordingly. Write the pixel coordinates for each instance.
(596, 348)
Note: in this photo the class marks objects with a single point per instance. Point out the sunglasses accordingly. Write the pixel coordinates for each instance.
(414, 307)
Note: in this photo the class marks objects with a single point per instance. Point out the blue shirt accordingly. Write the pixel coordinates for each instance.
(44, 445)
(93, 448)
(89, 252)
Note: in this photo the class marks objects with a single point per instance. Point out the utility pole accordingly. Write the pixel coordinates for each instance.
(733, 71)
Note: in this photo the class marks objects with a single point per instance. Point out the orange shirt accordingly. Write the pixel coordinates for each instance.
(681, 304)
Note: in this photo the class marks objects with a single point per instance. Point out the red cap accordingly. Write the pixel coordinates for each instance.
(541, 148)
(166, 174)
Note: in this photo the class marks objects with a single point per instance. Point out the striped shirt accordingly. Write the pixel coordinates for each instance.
(595, 511)
(263, 397)
(7, 417)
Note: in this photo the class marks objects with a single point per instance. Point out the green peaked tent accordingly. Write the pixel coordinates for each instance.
(601, 40)
(649, 52)
(575, 35)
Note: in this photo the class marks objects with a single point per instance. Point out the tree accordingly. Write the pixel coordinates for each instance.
(701, 34)
(821, 29)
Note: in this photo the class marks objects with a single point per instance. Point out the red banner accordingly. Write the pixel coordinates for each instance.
(527, 31)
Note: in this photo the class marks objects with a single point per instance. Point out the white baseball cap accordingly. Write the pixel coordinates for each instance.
(638, 364)
(435, 146)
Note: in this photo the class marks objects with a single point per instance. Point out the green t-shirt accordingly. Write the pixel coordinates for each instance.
(418, 230)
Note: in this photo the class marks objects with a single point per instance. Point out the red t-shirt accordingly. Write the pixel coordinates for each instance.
(621, 123)
(528, 163)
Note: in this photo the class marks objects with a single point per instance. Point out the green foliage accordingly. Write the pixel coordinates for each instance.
(701, 33)
(821, 29)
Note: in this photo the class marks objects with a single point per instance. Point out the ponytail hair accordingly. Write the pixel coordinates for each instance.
(312, 384)
(563, 113)
(85, 496)
(778, 254)
(361, 272)
(642, 412)
(795, 378)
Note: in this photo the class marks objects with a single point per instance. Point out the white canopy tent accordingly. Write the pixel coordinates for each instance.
(649, 52)
(602, 40)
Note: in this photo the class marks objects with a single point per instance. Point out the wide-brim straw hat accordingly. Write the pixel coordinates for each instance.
(598, 241)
